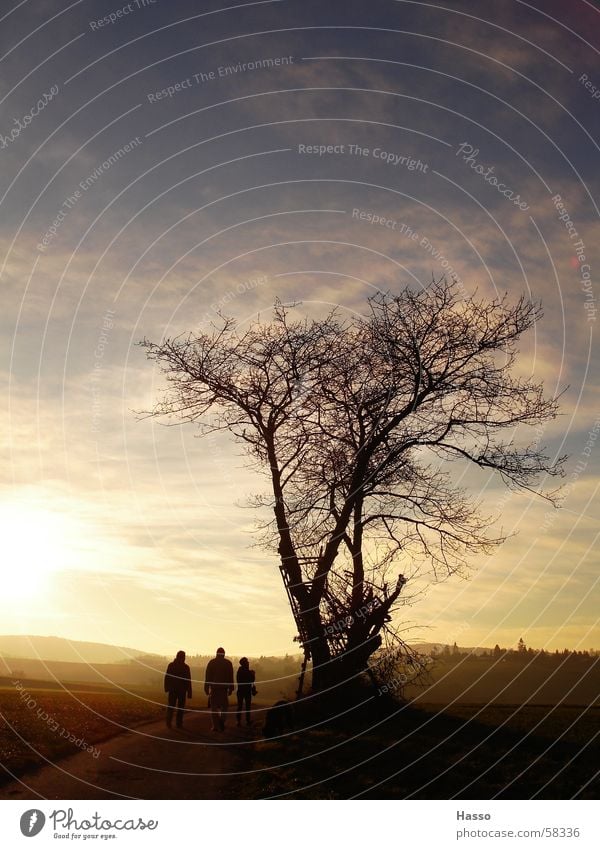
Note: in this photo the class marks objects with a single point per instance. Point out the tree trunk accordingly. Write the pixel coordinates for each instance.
(342, 670)
(318, 646)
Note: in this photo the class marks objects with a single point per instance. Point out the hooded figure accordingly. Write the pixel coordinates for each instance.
(218, 685)
(178, 684)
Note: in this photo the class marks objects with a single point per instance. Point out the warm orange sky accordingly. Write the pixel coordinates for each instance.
(143, 197)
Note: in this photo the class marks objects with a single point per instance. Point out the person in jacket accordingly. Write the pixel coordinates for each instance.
(178, 685)
(245, 678)
(218, 685)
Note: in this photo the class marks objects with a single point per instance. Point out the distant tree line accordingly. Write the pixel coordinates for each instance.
(522, 652)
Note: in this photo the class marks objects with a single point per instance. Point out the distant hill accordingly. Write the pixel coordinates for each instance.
(30, 647)
(59, 649)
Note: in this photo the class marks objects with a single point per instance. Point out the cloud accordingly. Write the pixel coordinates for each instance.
(179, 228)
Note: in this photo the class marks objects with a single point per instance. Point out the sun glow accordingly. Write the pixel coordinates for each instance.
(35, 544)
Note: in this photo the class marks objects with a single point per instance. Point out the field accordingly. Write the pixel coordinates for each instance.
(476, 727)
(475, 744)
(546, 680)
(472, 752)
(39, 722)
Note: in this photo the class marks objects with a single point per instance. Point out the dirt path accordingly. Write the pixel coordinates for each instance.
(149, 762)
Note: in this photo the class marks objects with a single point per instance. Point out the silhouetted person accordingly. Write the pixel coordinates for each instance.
(245, 680)
(218, 685)
(178, 684)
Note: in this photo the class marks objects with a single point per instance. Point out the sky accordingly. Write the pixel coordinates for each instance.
(161, 161)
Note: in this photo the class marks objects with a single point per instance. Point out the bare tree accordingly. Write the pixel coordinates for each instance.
(360, 424)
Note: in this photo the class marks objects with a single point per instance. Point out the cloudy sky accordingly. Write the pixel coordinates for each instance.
(162, 160)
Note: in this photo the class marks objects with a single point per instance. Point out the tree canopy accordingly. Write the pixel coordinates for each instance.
(358, 421)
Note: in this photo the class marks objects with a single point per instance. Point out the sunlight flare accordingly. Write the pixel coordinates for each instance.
(36, 544)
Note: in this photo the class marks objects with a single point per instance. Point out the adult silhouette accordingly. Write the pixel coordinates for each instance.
(178, 684)
(218, 685)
